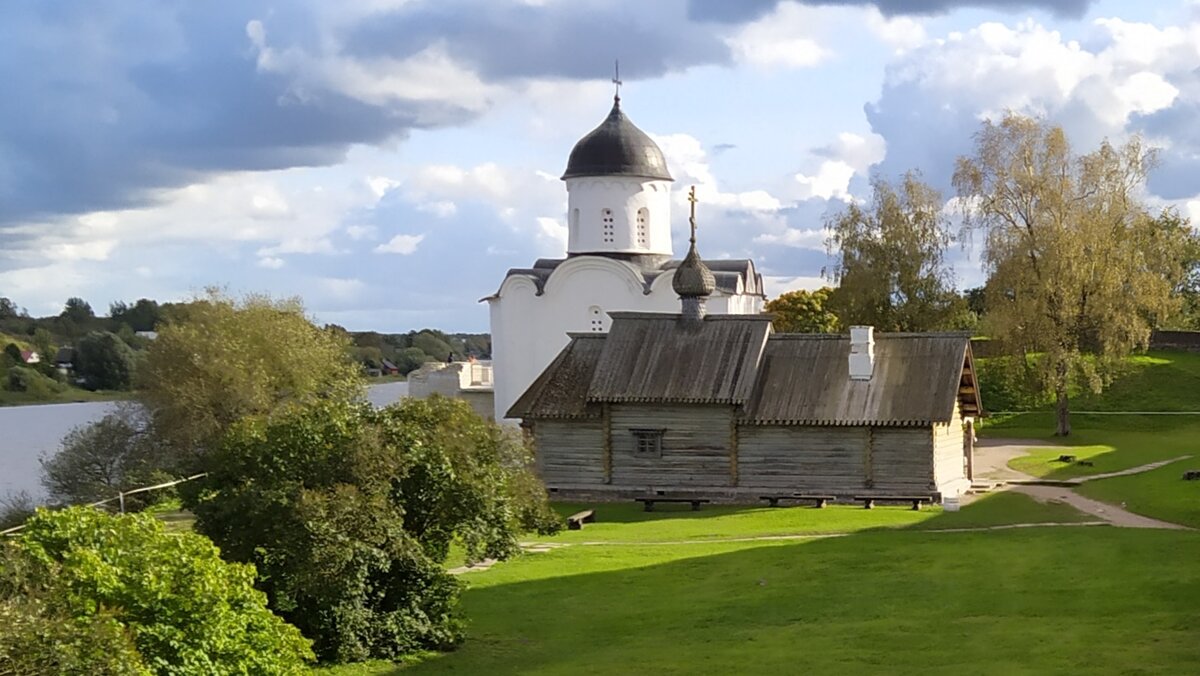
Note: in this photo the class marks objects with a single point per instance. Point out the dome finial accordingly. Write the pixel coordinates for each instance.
(693, 280)
(692, 218)
(617, 81)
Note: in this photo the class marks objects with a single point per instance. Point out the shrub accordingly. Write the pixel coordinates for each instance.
(98, 577)
(349, 512)
(28, 380)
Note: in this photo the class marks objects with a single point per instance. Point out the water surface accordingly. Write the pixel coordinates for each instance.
(28, 433)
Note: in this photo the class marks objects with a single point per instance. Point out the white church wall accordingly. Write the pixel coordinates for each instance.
(618, 214)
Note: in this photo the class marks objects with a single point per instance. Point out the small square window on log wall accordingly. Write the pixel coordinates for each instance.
(648, 442)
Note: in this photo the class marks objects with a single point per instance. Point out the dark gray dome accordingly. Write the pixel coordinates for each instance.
(693, 279)
(617, 148)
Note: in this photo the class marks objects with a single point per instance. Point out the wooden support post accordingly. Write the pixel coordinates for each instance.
(969, 442)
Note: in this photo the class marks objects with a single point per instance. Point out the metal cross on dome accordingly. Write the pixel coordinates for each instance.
(692, 218)
(617, 79)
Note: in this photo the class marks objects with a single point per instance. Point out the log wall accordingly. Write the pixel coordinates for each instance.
(569, 451)
(902, 460)
(695, 446)
(816, 459)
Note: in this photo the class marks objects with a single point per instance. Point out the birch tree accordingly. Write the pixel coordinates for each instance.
(1079, 269)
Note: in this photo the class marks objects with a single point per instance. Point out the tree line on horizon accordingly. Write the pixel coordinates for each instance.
(106, 350)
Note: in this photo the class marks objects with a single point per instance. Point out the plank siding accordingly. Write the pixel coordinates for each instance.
(902, 460)
(570, 451)
(802, 458)
(948, 451)
(695, 446)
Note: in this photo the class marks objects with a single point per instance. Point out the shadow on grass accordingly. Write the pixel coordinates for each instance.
(633, 512)
(984, 602)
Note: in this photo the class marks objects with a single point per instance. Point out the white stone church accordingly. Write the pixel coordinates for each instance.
(619, 258)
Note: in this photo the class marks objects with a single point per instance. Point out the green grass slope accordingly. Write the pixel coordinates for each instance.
(1034, 601)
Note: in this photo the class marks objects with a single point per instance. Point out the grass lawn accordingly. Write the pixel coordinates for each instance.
(1051, 600)
(1111, 443)
(628, 523)
(1161, 493)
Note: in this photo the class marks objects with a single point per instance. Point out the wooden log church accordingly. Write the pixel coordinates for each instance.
(722, 407)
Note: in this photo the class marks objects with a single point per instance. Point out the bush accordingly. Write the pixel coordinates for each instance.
(107, 583)
(28, 380)
(35, 640)
(349, 512)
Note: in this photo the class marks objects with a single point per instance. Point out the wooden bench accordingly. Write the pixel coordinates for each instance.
(818, 500)
(916, 500)
(576, 520)
(649, 502)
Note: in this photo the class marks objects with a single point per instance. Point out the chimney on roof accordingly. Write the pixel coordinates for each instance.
(862, 352)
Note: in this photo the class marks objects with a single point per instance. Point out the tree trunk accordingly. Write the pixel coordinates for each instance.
(1063, 411)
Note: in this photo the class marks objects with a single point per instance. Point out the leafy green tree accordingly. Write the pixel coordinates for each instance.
(1079, 269)
(411, 358)
(144, 315)
(78, 311)
(433, 345)
(803, 312)
(8, 309)
(890, 267)
(217, 360)
(104, 361)
(348, 512)
(95, 461)
(13, 352)
(161, 602)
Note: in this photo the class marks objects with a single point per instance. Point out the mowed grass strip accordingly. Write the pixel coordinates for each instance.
(1034, 601)
(628, 522)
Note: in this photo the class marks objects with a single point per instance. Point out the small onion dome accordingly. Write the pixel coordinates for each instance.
(693, 279)
(617, 148)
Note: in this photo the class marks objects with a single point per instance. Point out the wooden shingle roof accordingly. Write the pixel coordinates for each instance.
(561, 390)
(916, 381)
(774, 379)
(663, 358)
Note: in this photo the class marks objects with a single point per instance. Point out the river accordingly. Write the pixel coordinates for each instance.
(29, 432)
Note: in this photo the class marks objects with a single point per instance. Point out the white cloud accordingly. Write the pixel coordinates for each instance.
(776, 285)
(401, 244)
(813, 239)
(441, 209)
(899, 32)
(341, 288)
(270, 262)
(97, 250)
(783, 38)
(832, 180)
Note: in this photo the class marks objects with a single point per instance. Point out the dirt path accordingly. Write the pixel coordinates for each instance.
(1110, 513)
(991, 463)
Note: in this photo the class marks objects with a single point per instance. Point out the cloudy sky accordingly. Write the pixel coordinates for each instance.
(388, 160)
